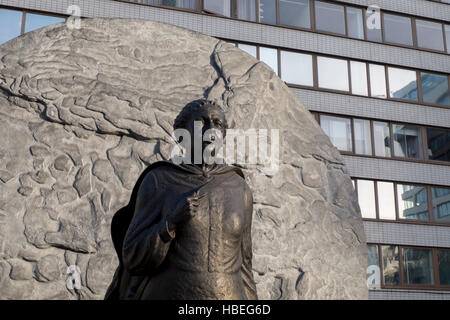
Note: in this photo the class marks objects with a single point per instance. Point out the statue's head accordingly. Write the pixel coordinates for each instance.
(207, 115)
(201, 110)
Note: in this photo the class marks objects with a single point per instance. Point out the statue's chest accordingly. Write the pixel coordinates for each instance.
(215, 231)
(222, 209)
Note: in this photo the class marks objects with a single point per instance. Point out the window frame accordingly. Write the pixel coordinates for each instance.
(234, 16)
(24, 13)
(404, 286)
(428, 187)
(316, 87)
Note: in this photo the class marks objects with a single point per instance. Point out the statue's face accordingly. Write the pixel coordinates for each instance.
(210, 117)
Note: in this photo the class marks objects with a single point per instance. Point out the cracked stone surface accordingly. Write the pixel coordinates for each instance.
(83, 113)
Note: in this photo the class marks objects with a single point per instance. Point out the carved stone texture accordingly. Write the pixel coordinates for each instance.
(84, 111)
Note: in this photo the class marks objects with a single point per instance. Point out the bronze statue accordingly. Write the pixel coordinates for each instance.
(186, 232)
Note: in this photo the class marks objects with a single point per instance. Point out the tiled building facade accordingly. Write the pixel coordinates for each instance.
(378, 83)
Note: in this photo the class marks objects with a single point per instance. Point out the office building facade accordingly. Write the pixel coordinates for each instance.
(375, 73)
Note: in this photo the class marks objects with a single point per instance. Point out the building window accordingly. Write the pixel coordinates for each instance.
(373, 34)
(438, 142)
(296, 68)
(374, 266)
(412, 202)
(332, 73)
(444, 267)
(382, 139)
(417, 266)
(338, 130)
(391, 265)
(407, 141)
(330, 17)
(186, 4)
(377, 81)
(429, 35)
(397, 29)
(270, 57)
(36, 21)
(222, 7)
(10, 24)
(363, 141)
(358, 78)
(251, 50)
(355, 23)
(268, 11)
(152, 2)
(295, 13)
(447, 37)
(402, 84)
(386, 207)
(246, 10)
(440, 198)
(435, 88)
(366, 198)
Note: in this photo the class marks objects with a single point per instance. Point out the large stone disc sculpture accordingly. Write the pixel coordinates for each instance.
(84, 111)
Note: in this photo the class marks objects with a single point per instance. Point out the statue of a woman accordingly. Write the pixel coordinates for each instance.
(186, 233)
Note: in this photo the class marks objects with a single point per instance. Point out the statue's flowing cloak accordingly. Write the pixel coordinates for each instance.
(134, 284)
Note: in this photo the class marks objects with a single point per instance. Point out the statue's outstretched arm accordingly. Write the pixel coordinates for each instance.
(148, 238)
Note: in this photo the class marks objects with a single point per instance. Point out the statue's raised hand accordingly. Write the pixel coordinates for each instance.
(186, 208)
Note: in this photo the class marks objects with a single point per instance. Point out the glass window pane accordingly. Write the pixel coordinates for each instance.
(296, 68)
(10, 24)
(407, 141)
(338, 130)
(246, 10)
(438, 144)
(333, 73)
(402, 84)
(382, 139)
(36, 21)
(295, 13)
(359, 78)
(153, 2)
(386, 200)
(363, 142)
(417, 266)
(373, 26)
(355, 23)
(444, 267)
(267, 11)
(429, 35)
(377, 81)
(373, 266)
(330, 17)
(435, 88)
(397, 29)
(447, 37)
(251, 50)
(222, 7)
(391, 265)
(270, 57)
(412, 202)
(366, 198)
(440, 198)
(187, 4)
